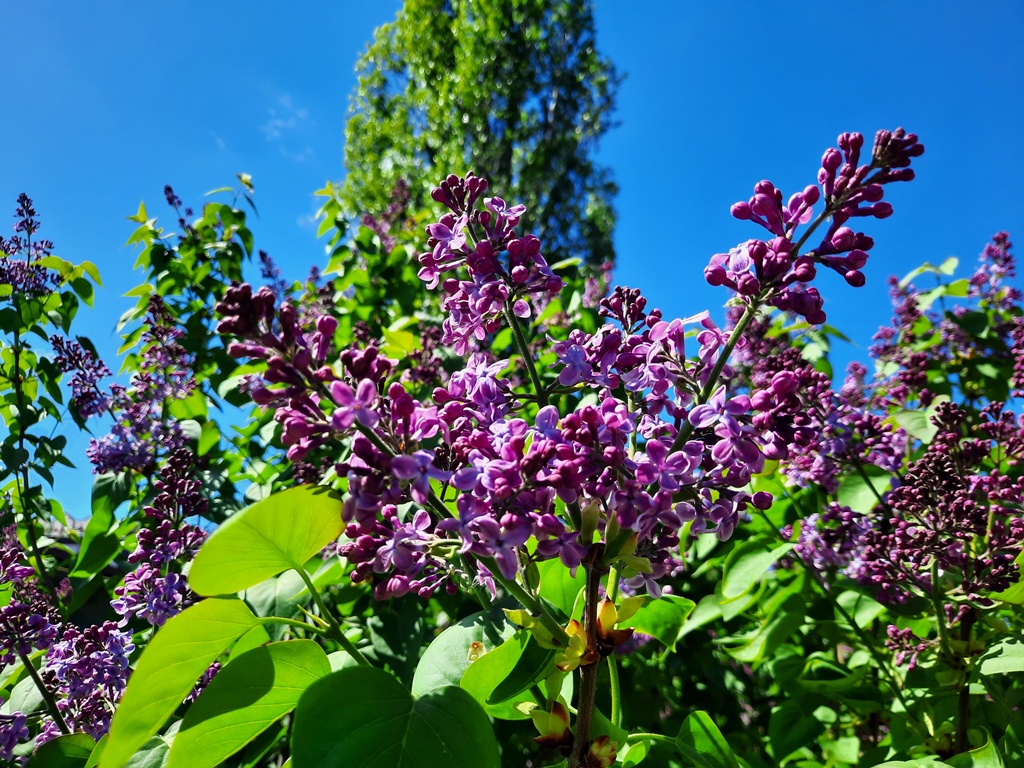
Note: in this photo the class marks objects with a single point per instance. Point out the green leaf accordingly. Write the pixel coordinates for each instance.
(283, 531)
(1006, 657)
(492, 667)
(985, 756)
(558, 586)
(177, 656)
(100, 544)
(793, 725)
(245, 698)
(663, 618)
(856, 493)
(701, 742)
(506, 671)
(361, 717)
(447, 658)
(71, 751)
(745, 566)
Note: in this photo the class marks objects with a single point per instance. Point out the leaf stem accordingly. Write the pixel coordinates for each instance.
(533, 605)
(334, 631)
(46, 693)
(723, 358)
(524, 351)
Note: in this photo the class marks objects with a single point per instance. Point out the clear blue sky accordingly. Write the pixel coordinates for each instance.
(107, 102)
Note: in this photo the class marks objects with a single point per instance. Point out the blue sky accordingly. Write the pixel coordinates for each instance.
(107, 102)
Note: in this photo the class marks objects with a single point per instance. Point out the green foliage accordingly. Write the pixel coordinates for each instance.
(174, 660)
(360, 717)
(247, 697)
(279, 533)
(515, 91)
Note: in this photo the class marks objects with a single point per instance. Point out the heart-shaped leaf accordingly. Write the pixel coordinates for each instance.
(245, 698)
(272, 536)
(361, 716)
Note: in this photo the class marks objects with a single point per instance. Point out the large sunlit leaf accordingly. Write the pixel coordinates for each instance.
(448, 657)
(361, 717)
(279, 533)
(662, 618)
(245, 698)
(179, 653)
(701, 742)
(746, 566)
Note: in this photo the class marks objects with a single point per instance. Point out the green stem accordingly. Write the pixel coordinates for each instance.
(534, 606)
(23, 482)
(334, 632)
(723, 358)
(612, 591)
(588, 672)
(46, 693)
(890, 674)
(524, 351)
(864, 476)
(937, 606)
(293, 623)
(642, 736)
(616, 694)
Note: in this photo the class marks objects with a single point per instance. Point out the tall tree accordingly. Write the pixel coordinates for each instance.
(514, 90)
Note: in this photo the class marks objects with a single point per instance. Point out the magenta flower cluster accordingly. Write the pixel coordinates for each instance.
(141, 429)
(454, 487)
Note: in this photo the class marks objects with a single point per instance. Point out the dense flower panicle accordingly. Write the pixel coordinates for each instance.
(86, 395)
(664, 439)
(950, 517)
(383, 224)
(13, 731)
(155, 591)
(20, 255)
(151, 596)
(503, 270)
(773, 270)
(141, 431)
(87, 669)
(29, 621)
(830, 540)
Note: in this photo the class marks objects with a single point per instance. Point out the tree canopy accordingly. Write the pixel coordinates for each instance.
(515, 91)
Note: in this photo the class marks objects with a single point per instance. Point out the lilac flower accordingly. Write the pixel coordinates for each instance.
(421, 470)
(13, 731)
(669, 470)
(354, 406)
(25, 275)
(151, 596)
(88, 671)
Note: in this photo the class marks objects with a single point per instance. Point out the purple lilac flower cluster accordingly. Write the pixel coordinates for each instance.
(503, 270)
(457, 485)
(383, 224)
(20, 255)
(141, 429)
(86, 395)
(907, 346)
(775, 271)
(950, 518)
(87, 669)
(829, 541)
(29, 621)
(156, 590)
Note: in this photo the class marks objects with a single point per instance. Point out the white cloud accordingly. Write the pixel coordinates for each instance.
(284, 117)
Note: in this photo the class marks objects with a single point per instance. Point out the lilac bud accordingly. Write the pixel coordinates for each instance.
(832, 159)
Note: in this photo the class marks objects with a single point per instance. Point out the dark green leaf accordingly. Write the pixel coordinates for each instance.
(361, 717)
